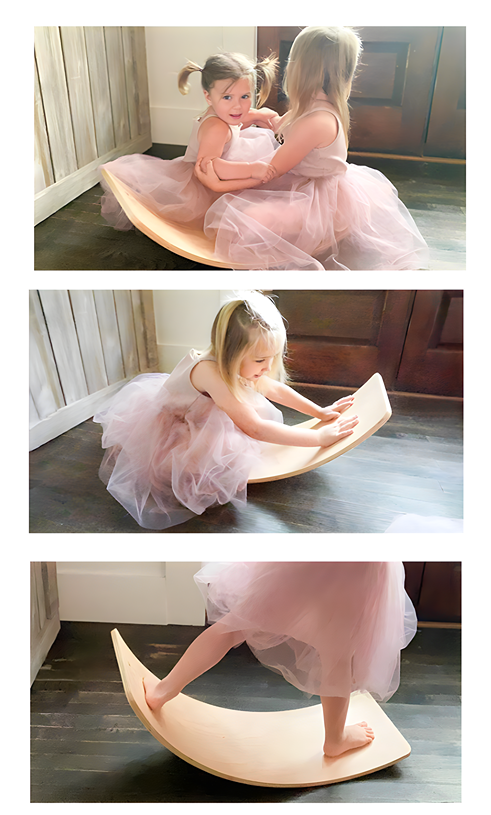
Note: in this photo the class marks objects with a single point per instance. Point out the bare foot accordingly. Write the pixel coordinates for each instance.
(157, 693)
(354, 735)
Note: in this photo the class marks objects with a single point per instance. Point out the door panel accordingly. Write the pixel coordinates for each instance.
(435, 590)
(413, 339)
(432, 361)
(343, 337)
(446, 129)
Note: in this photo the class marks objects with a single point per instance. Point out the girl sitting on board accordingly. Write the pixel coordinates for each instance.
(329, 628)
(170, 188)
(179, 443)
(313, 210)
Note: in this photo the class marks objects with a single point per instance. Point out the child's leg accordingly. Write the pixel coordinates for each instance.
(339, 736)
(206, 650)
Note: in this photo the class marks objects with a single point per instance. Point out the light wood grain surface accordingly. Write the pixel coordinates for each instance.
(265, 749)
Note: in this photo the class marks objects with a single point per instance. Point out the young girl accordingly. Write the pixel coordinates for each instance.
(225, 130)
(329, 628)
(315, 211)
(181, 443)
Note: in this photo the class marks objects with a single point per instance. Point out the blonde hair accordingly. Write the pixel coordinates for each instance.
(233, 67)
(321, 59)
(239, 327)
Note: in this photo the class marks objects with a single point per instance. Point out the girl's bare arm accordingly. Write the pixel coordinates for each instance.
(226, 170)
(284, 395)
(213, 135)
(206, 379)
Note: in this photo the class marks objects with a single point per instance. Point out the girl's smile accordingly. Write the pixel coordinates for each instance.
(231, 103)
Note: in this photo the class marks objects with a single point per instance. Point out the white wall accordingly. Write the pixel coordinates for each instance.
(183, 320)
(168, 49)
(130, 592)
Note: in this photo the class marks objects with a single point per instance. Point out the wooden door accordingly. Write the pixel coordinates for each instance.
(83, 346)
(446, 125)
(435, 590)
(432, 359)
(413, 339)
(343, 337)
(408, 96)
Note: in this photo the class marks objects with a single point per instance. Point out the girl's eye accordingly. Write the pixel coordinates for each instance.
(227, 98)
(246, 96)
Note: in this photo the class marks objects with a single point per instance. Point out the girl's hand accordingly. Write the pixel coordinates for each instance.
(265, 117)
(204, 172)
(336, 431)
(262, 171)
(333, 411)
(205, 162)
(329, 414)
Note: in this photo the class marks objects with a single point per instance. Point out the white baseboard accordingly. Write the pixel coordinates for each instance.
(88, 594)
(70, 415)
(57, 195)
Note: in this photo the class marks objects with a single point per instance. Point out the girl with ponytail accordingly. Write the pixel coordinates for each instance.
(230, 130)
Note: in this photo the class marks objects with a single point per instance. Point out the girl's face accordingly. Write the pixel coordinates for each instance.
(256, 362)
(231, 103)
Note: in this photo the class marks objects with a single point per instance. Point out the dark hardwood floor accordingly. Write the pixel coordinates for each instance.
(88, 746)
(412, 465)
(76, 238)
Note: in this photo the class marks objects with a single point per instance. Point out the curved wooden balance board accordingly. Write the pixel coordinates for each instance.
(373, 408)
(278, 749)
(189, 243)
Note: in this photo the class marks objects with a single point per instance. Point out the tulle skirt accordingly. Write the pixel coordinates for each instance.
(168, 188)
(349, 221)
(328, 628)
(165, 463)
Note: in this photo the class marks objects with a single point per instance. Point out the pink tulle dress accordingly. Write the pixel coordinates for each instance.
(171, 452)
(322, 214)
(329, 628)
(170, 188)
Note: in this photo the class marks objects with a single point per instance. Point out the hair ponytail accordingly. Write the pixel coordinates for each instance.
(184, 74)
(266, 71)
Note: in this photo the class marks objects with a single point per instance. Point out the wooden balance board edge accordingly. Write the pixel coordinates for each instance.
(372, 406)
(189, 243)
(272, 749)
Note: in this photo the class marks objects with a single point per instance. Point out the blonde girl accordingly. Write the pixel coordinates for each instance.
(179, 443)
(312, 209)
(229, 129)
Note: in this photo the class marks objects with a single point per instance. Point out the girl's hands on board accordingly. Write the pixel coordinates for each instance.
(335, 431)
(333, 411)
